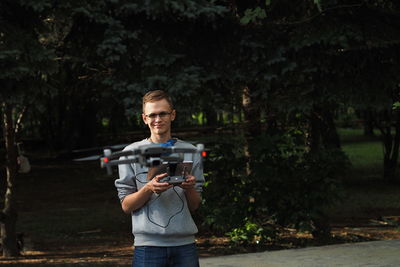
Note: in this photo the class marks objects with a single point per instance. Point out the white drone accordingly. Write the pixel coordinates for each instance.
(151, 155)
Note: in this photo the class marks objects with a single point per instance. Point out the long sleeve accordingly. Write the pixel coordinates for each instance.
(126, 183)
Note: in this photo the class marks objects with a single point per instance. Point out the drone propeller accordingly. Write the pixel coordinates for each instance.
(99, 149)
(89, 158)
(113, 147)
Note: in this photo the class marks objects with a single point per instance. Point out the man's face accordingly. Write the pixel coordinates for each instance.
(158, 116)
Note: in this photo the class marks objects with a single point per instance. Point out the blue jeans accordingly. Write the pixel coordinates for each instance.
(180, 256)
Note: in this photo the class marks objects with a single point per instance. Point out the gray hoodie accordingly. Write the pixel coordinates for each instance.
(165, 219)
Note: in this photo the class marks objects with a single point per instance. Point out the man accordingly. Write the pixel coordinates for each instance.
(161, 221)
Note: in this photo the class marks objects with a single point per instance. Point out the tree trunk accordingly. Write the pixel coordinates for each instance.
(368, 122)
(252, 123)
(252, 114)
(322, 130)
(391, 144)
(330, 136)
(8, 217)
(389, 170)
(319, 135)
(322, 229)
(314, 133)
(211, 115)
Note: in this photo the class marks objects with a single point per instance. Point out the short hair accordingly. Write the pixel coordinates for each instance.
(156, 95)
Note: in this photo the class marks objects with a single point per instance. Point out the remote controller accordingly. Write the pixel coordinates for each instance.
(174, 180)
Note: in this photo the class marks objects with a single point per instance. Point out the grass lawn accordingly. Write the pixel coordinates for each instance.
(365, 154)
(367, 195)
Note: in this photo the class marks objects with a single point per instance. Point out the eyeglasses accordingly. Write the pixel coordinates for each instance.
(162, 115)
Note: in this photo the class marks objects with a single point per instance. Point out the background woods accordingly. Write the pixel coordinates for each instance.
(266, 85)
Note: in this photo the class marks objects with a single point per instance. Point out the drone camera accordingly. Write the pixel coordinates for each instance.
(154, 161)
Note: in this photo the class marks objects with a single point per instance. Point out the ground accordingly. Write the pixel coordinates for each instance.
(69, 215)
(94, 249)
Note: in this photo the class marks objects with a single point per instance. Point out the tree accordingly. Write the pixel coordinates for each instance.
(318, 46)
(23, 60)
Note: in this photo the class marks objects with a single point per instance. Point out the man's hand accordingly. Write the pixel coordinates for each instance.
(189, 182)
(156, 187)
(193, 198)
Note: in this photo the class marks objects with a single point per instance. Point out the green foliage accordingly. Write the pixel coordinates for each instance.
(396, 105)
(223, 206)
(197, 49)
(296, 186)
(251, 233)
(288, 185)
(253, 15)
(170, 9)
(23, 58)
